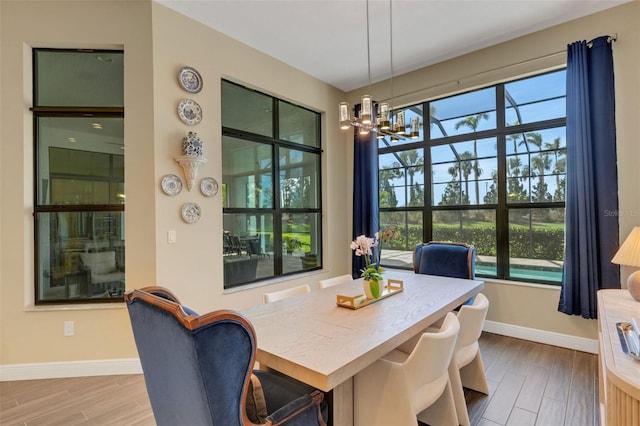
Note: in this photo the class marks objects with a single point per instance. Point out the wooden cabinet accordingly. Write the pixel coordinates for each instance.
(619, 373)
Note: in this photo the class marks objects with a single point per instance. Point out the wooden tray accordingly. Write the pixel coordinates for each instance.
(360, 301)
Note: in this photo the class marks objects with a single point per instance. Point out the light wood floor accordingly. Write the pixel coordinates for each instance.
(530, 383)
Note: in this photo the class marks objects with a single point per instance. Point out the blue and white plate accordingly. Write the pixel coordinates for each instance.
(191, 212)
(171, 184)
(190, 112)
(209, 187)
(190, 80)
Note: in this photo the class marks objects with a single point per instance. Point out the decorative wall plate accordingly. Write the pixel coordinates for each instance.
(209, 186)
(190, 212)
(190, 80)
(190, 112)
(171, 184)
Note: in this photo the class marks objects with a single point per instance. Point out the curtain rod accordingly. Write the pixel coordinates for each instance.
(610, 39)
(468, 77)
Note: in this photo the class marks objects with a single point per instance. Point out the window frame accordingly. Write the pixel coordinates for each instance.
(502, 207)
(38, 208)
(276, 210)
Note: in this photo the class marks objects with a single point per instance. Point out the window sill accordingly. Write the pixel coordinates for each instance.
(499, 281)
(74, 307)
(273, 280)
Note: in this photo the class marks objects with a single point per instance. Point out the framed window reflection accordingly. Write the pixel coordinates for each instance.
(271, 185)
(79, 176)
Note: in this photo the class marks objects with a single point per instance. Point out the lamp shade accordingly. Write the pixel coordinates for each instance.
(629, 252)
(629, 255)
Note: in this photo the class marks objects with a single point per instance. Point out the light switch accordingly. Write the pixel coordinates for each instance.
(171, 237)
(68, 328)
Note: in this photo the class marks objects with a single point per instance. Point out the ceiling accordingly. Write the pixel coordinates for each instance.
(328, 38)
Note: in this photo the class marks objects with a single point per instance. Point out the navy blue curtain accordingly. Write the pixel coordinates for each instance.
(365, 190)
(591, 233)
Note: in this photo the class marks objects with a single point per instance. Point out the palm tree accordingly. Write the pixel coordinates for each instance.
(541, 163)
(387, 194)
(533, 138)
(473, 122)
(559, 164)
(411, 161)
(465, 170)
(514, 166)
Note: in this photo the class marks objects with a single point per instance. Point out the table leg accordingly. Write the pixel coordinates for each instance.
(343, 403)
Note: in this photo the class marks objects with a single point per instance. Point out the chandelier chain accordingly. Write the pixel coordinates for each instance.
(391, 47)
(368, 48)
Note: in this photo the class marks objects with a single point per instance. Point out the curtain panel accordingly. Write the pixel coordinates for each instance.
(591, 216)
(365, 189)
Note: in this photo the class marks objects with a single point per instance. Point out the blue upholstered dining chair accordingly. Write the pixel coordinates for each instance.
(456, 260)
(198, 368)
(445, 259)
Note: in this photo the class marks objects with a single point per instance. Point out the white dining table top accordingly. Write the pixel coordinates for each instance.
(310, 338)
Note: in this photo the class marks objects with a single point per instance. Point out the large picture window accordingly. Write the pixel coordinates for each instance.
(78, 112)
(488, 169)
(270, 187)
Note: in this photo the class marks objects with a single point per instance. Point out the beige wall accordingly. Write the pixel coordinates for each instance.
(157, 43)
(536, 306)
(35, 335)
(193, 266)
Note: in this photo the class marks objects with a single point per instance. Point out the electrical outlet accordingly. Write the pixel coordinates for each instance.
(68, 328)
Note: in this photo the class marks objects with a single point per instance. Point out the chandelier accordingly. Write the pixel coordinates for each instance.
(385, 122)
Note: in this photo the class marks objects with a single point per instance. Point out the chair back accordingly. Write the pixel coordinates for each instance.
(471, 319)
(429, 360)
(455, 260)
(335, 281)
(285, 294)
(196, 368)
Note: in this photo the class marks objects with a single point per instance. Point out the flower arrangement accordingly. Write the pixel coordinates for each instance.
(371, 250)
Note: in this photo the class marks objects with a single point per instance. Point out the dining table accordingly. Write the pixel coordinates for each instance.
(315, 340)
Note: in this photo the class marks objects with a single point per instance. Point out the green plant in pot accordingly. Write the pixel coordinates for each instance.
(292, 244)
(371, 249)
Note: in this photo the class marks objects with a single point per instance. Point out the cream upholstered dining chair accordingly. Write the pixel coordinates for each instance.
(285, 294)
(401, 388)
(466, 368)
(335, 281)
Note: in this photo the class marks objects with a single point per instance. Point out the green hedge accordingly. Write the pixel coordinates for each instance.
(540, 243)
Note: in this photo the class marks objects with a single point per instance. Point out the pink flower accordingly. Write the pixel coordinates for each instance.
(365, 246)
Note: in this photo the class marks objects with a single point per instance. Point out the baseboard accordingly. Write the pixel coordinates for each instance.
(52, 370)
(107, 367)
(541, 336)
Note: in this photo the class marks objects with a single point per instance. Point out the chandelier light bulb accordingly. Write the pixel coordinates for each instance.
(365, 113)
(400, 123)
(384, 116)
(415, 128)
(344, 116)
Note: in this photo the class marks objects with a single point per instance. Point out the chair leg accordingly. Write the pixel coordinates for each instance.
(473, 377)
(442, 412)
(458, 395)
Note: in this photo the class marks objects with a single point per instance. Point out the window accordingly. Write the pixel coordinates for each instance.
(270, 187)
(78, 113)
(489, 170)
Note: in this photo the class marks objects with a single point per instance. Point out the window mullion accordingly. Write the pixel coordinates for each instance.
(427, 217)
